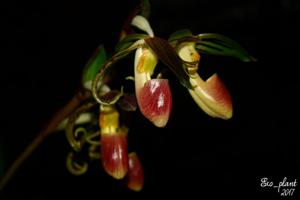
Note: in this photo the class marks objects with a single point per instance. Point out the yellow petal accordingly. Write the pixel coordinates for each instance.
(144, 65)
(108, 119)
(187, 52)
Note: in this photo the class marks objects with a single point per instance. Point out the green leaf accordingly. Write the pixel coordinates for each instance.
(216, 44)
(167, 54)
(94, 64)
(128, 41)
(183, 33)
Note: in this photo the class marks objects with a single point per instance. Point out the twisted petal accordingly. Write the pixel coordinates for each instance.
(135, 173)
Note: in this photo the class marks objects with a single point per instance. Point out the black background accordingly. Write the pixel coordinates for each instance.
(46, 44)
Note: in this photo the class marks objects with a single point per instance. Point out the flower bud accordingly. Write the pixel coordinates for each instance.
(135, 173)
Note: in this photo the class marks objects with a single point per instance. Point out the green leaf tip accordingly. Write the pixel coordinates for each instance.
(216, 44)
(94, 64)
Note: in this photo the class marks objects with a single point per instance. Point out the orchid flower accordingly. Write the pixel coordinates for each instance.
(210, 95)
(113, 143)
(153, 95)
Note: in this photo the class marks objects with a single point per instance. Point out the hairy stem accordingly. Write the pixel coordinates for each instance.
(49, 129)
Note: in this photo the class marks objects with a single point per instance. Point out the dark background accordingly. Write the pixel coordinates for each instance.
(46, 44)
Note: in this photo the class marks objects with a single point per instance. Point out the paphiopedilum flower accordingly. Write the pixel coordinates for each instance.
(153, 95)
(210, 95)
(113, 143)
(135, 173)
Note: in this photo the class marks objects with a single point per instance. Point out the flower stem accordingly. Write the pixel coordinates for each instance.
(49, 129)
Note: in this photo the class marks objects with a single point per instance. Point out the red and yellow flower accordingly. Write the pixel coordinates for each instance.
(114, 154)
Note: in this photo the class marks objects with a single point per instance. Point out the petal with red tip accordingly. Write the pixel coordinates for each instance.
(155, 101)
(135, 173)
(114, 154)
(212, 96)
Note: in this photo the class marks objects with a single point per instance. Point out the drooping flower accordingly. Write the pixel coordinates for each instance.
(153, 95)
(114, 154)
(211, 95)
(135, 173)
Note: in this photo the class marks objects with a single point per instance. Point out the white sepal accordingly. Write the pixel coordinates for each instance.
(142, 23)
